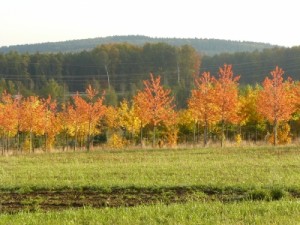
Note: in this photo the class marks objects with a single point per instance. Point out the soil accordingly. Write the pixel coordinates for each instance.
(48, 200)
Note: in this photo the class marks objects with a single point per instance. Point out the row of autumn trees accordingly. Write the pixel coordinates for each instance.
(218, 101)
(215, 106)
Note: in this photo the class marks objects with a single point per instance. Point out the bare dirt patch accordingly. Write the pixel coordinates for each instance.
(47, 200)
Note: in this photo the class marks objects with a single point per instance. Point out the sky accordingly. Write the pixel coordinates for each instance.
(38, 21)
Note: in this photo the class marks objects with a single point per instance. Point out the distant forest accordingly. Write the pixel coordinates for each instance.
(120, 69)
(205, 46)
(255, 66)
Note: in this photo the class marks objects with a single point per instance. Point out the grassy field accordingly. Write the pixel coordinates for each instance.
(248, 167)
(279, 212)
(167, 186)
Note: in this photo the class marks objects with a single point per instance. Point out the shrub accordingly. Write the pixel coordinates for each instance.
(277, 194)
(258, 195)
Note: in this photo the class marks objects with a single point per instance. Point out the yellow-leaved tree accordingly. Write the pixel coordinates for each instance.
(248, 115)
(128, 120)
(112, 123)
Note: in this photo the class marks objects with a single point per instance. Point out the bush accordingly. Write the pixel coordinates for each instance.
(258, 195)
(277, 194)
(116, 141)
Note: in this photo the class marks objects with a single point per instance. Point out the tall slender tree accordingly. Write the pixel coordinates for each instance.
(51, 122)
(32, 118)
(127, 118)
(88, 114)
(297, 96)
(248, 117)
(154, 104)
(8, 118)
(275, 101)
(226, 97)
(202, 103)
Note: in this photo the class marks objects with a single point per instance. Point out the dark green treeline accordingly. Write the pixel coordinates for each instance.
(117, 68)
(120, 69)
(255, 66)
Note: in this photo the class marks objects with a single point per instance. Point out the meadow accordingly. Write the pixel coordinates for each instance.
(171, 186)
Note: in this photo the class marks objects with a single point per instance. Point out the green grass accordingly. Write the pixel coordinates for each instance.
(267, 176)
(278, 212)
(230, 167)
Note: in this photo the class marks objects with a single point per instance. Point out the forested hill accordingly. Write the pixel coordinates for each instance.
(204, 46)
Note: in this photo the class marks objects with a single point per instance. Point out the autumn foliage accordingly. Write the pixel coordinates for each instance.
(84, 115)
(276, 102)
(154, 105)
(217, 108)
(215, 99)
(202, 103)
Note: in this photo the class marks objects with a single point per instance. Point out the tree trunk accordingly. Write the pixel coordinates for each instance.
(198, 132)
(141, 134)
(195, 124)
(75, 140)
(46, 144)
(65, 145)
(222, 133)
(255, 134)
(7, 142)
(30, 142)
(154, 130)
(275, 128)
(89, 138)
(205, 133)
(3, 145)
(18, 141)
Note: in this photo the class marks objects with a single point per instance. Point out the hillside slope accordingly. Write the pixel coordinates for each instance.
(204, 46)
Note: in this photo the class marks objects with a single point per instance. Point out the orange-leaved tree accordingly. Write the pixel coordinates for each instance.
(154, 104)
(63, 118)
(296, 115)
(275, 101)
(51, 123)
(74, 117)
(226, 97)
(32, 119)
(297, 98)
(86, 115)
(202, 103)
(8, 117)
(95, 111)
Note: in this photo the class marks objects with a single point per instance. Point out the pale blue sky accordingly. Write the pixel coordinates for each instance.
(35, 21)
